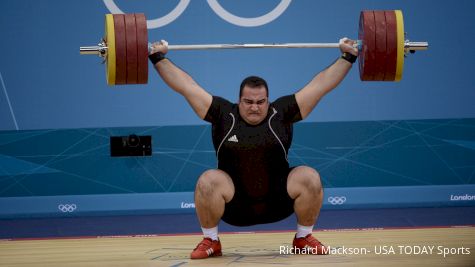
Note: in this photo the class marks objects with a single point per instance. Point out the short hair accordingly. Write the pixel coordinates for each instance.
(253, 81)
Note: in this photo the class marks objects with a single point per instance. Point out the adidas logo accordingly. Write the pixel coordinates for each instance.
(233, 139)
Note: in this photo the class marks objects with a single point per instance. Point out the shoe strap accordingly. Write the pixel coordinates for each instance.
(205, 243)
(313, 241)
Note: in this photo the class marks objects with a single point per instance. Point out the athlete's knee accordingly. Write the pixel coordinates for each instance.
(207, 181)
(213, 182)
(307, 178)
(311, 179)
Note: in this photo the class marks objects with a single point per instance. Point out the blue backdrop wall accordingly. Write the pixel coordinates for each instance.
(57, 113)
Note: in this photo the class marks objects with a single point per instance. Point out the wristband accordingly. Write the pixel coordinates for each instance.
(156, 57)
(349, 57)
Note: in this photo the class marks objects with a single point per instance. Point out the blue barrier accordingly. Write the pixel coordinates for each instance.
(182, 202)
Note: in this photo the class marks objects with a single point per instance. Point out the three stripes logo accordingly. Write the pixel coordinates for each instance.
(209, 251)
(233, 139)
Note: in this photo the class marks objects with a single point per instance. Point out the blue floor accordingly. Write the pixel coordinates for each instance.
(188, 223)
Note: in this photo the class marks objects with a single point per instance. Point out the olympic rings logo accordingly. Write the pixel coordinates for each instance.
(336, 200)
(216, 7)
(67, 207)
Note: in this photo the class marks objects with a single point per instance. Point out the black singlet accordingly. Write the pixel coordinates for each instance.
(256, 158)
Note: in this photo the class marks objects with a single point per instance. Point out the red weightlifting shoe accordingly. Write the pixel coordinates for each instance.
(310, 244)
(207, 248)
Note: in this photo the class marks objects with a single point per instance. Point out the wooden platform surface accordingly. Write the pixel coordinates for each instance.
(364, 247)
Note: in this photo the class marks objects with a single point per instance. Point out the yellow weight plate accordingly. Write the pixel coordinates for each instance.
(110, 42)
(400, 45)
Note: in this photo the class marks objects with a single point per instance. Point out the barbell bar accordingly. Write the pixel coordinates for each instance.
(101, 47)
(382, 46)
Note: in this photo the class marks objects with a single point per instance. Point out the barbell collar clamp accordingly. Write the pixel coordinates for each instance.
(100, 49)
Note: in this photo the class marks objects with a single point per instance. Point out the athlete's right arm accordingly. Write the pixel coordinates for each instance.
(181, 82)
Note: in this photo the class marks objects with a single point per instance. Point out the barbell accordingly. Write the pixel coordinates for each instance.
(382, 46)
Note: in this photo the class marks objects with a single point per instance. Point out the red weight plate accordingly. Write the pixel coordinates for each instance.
(131, 38)
(142, 48)
(380, 51)
(367, 34)
(120, 48)
(391, 45)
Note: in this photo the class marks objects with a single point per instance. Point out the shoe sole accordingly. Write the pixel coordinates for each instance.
(212, 255)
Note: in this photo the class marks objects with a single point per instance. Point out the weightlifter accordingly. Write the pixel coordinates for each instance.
(254, 183)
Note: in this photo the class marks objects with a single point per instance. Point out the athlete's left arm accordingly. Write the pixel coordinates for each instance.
(325, 81)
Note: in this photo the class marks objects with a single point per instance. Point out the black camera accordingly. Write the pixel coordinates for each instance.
(131, 145)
